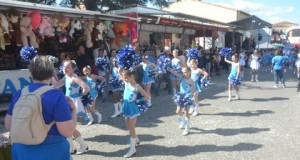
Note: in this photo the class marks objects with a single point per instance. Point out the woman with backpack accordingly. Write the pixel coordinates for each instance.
(58, 113)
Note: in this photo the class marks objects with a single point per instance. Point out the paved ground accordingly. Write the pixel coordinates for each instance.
(263, 125)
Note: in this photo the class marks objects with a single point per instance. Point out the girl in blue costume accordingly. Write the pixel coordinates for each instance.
(148, 79)
(196, 77)
(129, 108)
(234, 74)
(187, 89)
(117, 87)
(55, 108)
(90, 79)
(176, 66)
(73, 83)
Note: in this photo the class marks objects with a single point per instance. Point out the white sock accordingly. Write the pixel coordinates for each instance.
(298, 75)
(252, 78)
(90, 116)
(80, 141)
(229, 95)
(98, 113)
(174, 91)
(256, 77)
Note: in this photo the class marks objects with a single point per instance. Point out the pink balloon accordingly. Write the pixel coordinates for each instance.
(36, 18)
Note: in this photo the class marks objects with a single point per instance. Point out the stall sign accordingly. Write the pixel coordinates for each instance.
(13, 80)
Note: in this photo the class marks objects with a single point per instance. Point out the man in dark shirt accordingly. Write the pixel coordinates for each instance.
(83, 59)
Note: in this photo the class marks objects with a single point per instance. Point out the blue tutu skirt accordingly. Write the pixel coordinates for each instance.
(197, 86)
(147, 80)
(54, 147)
(130, 109)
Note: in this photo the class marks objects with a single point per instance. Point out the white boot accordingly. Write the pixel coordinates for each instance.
(99, 117)
(117, 112)
(191, 110)
(186, 128)
(72, 148)
(256, 78)
(237, 96)
(83, 146)
(195, 113)
(181, 122)
(229, 96)
(252, 78)
(132, 149)
(91, 121)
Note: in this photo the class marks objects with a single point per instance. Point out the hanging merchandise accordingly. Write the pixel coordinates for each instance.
(88, 33)
(45, 28)
(26, 31)
(133, 32)
(110, 33)
(36, 19)
(14, 17)
(4, 26)
(62, 29)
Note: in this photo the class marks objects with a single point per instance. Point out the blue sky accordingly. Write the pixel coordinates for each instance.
(270, 10)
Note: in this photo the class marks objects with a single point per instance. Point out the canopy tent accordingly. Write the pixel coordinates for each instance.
(265, 45)
(145, 11)
(70, 12)
(251, 23)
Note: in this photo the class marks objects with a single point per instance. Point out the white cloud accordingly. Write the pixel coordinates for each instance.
(267, 12)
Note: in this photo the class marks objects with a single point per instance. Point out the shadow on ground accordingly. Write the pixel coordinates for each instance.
(230, 132)
(242, 114)
(179, 151)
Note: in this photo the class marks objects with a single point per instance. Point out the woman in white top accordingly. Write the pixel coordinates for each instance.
(254, 65)
(242, 61)
(297, 63)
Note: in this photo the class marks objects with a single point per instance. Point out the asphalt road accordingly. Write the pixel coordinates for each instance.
(263, 125)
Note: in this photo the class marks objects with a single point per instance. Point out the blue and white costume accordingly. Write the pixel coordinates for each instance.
(92, 85)
(146, 78)
(72, 91)
(184, 98)
(129, 106)
(195, 76)
(175, 65)
(233, 73)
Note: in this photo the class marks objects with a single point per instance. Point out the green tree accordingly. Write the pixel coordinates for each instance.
(103, 5)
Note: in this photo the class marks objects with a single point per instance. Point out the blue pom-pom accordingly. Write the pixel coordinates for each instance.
(236, 81)
(225, 52)
(127, 58)
(142, 104)
(86, 99)
(193, 53)
(100, 86)
(101, 63)
(183, 100)
(163, 63)
(28, 53)
(116, 83)
(152, 72)
(204, 83)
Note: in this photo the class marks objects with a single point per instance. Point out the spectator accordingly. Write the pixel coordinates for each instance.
(56, 108)
(278, 69)
(83, 59)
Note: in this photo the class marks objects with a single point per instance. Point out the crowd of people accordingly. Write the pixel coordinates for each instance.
(185, 76)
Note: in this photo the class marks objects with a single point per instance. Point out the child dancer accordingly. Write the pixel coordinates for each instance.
(234, 74)
(90, 79)
(148, 76)
(195, 76)
(184, 98)
(242, 61)
(175, 64)
(254, 65)
(116, 82)
(73, 83)
(129, 108)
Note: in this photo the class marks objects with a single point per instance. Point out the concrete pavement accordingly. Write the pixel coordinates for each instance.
(263, 125)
